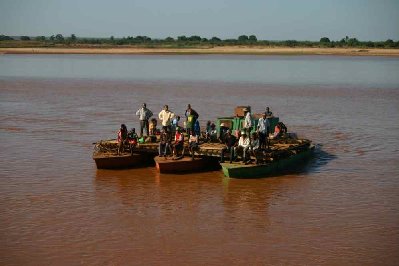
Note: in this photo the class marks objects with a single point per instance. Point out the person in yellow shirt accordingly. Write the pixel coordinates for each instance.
(166, 117)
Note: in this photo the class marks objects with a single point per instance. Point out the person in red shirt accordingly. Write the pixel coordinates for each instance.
(178, 144)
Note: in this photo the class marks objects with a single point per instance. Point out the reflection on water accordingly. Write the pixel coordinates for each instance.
(338, 208)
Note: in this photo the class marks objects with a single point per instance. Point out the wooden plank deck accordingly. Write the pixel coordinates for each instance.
(205, 149)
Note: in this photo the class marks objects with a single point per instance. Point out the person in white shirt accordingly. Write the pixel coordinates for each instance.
(144, 115)
(193, 142)
(247, 121)
(243, 145)
(166, 118)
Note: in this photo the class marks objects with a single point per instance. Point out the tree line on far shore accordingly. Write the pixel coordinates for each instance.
(185, 41)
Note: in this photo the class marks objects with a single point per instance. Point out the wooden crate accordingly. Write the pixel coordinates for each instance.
(239, 110)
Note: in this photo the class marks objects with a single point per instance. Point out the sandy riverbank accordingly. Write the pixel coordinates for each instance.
(214, 50)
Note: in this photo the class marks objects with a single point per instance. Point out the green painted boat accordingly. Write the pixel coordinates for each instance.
(236, 123)
(241, 170)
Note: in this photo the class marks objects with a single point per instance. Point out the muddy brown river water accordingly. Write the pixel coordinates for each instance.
(56, 208)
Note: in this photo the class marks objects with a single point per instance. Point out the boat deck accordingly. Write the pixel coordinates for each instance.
(207, 149)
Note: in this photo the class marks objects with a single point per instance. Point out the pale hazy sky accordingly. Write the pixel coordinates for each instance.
(267, 19)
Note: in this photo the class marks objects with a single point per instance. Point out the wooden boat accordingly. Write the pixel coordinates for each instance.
(186, 164)
(106, 157)
(241, 170)
(281, 153)
(113, 161)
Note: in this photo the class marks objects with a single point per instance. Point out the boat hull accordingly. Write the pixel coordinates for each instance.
(121, 161)
(239, 170)
(186, 164)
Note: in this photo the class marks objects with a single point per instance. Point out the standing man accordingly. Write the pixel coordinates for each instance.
(247, 121)
(144, 115)
(268, 112)
(191, 117)
(166, 118)
(263, 131)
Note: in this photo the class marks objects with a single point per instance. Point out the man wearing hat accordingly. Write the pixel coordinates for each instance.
(243, 145)
(223, 131)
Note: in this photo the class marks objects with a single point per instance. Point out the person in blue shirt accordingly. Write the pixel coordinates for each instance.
(263, 131)
(197, 129)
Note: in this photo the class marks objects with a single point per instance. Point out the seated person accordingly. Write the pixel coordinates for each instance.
(175, 124)
(223, 130)
(122, 138)
(211, 132)
(132, 137)
(254, 146)
(230, 142)
(283, 128)
(243, 145)
(178, 143)
(193, 143)
(279, 130)
(208, 126)
(164, 143)
(153, 126)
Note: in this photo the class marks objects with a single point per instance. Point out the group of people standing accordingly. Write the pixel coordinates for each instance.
(171, 137)
(169, 121)
(170, 126)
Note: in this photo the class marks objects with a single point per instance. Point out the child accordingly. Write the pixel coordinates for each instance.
(132, 137)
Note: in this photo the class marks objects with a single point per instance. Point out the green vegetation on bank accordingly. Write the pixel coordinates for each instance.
(194, 41)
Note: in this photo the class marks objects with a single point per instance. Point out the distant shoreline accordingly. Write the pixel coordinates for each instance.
(231, 50)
